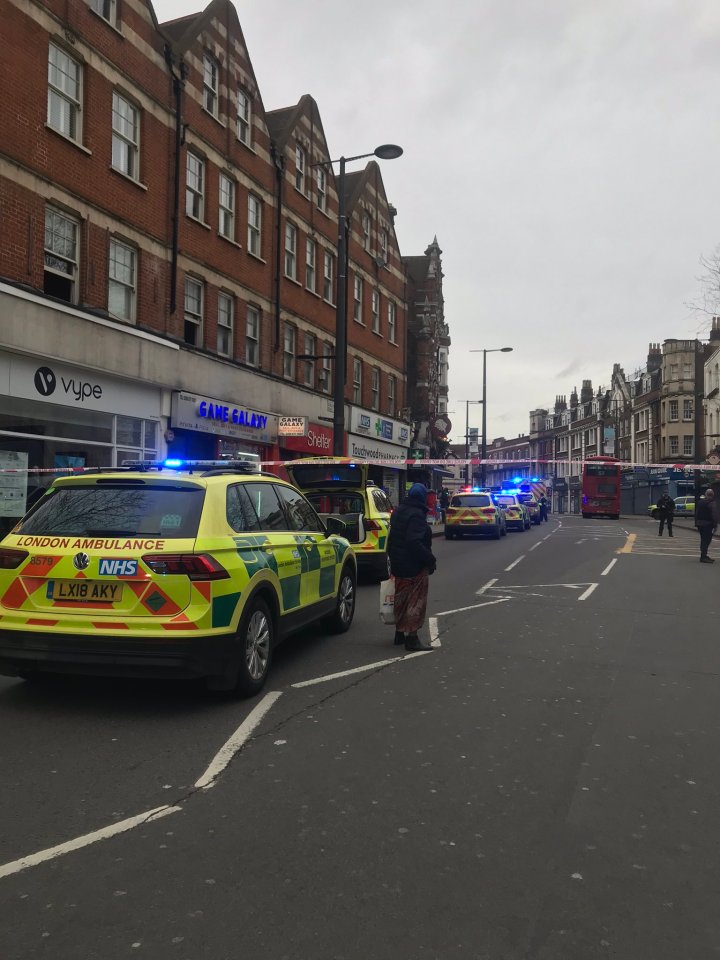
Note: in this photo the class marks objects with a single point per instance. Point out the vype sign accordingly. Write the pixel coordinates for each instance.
(50, 382)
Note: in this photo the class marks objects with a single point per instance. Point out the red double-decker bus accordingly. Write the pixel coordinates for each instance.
(601, 488)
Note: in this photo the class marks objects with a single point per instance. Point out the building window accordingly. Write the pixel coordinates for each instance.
(357, 382)
(688, 373)
(443, 368)
(125, 136)
(673, 371)
(195, 186)
(375, 389)
(193, 333)
(252, 337)
(384, 245)
(291, 250)
(357, 299)
(61, 249)
(122, 281)
(392, 316)
(226, 223)
(327, 361)
(673, 410)
(673, 446)
(244, 118)
(328, 271)
(210, 84)
(376, 311)
(299, 168)
(105, 9)
(321, 189)
(309, 365)
(254, 224)
(688, 446)
(226, 324)
(64, 90)
(366, 230)
(392, 394)
(687, 409)
(289, 352)
(310, 264)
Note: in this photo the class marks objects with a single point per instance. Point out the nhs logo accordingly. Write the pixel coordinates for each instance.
(404, 433)
(118, 568)
(364, 423)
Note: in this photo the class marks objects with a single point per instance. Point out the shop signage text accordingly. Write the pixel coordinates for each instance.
(382, 428)
(225, 414)
(292, 426)
(318, 440)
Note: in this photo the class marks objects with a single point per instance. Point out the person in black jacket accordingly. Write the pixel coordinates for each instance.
(706, 522)
(666, 512)
(411, 562)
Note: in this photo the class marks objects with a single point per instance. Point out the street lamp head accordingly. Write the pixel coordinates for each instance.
(506, 349)
(388, 151)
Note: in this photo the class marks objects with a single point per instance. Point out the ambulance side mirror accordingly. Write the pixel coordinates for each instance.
(336, 525)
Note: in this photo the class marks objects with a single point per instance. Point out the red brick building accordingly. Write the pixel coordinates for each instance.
(168, 249)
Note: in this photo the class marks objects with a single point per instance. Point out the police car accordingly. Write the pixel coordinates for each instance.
(684, 507)
(516, 512)
(473, 512)
(191, 569)
(340, 488)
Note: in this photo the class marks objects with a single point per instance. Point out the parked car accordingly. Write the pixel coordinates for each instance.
(684, 507)
(516, 512)
(474, 513)
(341, 489)
(192, 572)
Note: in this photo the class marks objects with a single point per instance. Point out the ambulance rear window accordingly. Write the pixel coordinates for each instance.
(471, 500)
(117, 511)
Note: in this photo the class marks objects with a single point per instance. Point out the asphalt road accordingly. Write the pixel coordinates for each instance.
(542, 785)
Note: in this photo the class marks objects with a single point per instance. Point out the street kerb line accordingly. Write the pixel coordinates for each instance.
(104, 833)
(608, 568)
(515, 562)
(234, 743)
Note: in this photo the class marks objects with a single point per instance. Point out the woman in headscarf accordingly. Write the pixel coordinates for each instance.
(411, 563)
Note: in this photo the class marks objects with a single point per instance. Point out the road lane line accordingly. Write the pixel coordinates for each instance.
(473, 606)
(608, 568)
(515, 563)
(481, 591)
(8, 869)
(535, 546)
(586, 594)
(434, 632)
(231, 746)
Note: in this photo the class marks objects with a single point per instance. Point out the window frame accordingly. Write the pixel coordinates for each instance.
(328, 276)
(310, 265)
(357, 381)
(375, 311)
(254, 225)
(688, 445)
(688, 410)
(358, 299)
(321, 181)
(300, 169)
(195, 318)
(291, 242)
(673, 411)
(116, 242)
(211, 86)
(229, 326)
(131, 146)
(289, 371)
(392, 321)
(366, 230)
(375, 389)
(309, 365)
(73, 274)
(111, 5)
(392, 395)
(243, 119)
(252, 335)
(195, 191)
(327, 370)
(226, 210)
(73, 102)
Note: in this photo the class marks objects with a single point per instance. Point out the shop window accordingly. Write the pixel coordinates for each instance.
(61, 248)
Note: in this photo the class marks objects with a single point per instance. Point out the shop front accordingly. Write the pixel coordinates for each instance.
(205, 428)
(372, 437)
(300, 437)
(54, 416)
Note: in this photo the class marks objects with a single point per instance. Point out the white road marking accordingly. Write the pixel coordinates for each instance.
(225, 754)
(584, 596)
(608, 568)
(346, 673)
(474, 606)
(481, 591)
(535, 546)
(434, 632)
(548, 536)
(515, 562)
(581, 541)
(8, 869)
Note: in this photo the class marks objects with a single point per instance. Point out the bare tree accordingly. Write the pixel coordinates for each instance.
(707, 304)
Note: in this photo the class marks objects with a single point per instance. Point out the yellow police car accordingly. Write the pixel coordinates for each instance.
(473, 512)
(195, 569)
(516, 512)
(340, 488)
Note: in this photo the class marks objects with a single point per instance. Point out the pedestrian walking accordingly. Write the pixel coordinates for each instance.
(543, 508)
(411, 563)
(444, 503)
(706, 520)
(666, 512)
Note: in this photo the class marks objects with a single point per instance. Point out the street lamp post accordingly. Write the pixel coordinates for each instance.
(468, 472)
(387, 151)
(483, 453)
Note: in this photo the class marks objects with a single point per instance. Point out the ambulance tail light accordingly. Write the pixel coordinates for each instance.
(11, 559)
(488, 511)
(195, 566)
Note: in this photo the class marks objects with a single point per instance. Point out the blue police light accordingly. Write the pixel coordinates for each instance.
(534, 479)
(517, 479)
(173, 464)
(476, 489)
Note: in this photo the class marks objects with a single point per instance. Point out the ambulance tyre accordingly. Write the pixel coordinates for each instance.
(255, 640)
(448, 534)
(496, 533)
(342, 618)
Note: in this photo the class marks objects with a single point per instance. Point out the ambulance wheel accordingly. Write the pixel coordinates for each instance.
(255, 638)
(449, 534)
(341, 619)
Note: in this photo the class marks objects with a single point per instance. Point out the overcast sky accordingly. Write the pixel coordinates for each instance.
(565, 152)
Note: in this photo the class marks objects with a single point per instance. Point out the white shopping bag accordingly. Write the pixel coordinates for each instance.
(387, 601)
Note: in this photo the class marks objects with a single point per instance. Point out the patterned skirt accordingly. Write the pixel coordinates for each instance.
(411, 602)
